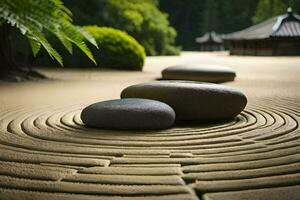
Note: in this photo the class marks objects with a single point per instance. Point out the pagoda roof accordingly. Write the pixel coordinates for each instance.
(287, 25)
(209, 37)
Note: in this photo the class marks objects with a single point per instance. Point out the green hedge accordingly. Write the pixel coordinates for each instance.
(116, 49)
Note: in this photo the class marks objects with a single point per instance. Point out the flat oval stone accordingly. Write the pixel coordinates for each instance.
(131, 114)
(192, 100)
(203, 73)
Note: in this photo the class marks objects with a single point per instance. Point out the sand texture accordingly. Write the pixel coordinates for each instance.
(47, 153)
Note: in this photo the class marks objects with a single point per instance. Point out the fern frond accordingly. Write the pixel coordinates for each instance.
(88, 37)
(35, 45)
(48, 47)
(65, 41)
(75, 36)
(34, 17)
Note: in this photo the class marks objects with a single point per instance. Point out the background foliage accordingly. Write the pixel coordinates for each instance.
(140, 18)
(195, 17)
(156, 23)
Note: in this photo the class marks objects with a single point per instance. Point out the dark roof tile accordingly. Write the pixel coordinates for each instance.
(287, 25)
(210, 36)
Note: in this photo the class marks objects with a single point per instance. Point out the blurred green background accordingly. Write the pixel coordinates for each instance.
(164, 27)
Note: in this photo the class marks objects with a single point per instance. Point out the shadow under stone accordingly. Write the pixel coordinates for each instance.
(178, 124)
(202, 123)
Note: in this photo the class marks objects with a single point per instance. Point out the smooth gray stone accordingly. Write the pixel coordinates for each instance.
(131, 114)
(192, 100)
(203, 73)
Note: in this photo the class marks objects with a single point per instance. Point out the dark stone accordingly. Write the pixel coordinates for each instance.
(131, 114)
(204, 73)
(192, 100)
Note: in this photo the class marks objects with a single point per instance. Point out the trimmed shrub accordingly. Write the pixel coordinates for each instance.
(117, 50)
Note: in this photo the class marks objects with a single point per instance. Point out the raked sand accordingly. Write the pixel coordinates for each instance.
(47, 153)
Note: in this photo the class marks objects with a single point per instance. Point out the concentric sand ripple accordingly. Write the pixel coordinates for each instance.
(48, 152)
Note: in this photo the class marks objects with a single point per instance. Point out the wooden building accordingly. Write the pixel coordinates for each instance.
(278, 36)
(210, 41)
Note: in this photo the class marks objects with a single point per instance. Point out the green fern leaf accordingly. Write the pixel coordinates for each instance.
(48, 47)
(65, 41)
(34, 17)
(88, 37)
(35, 45)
